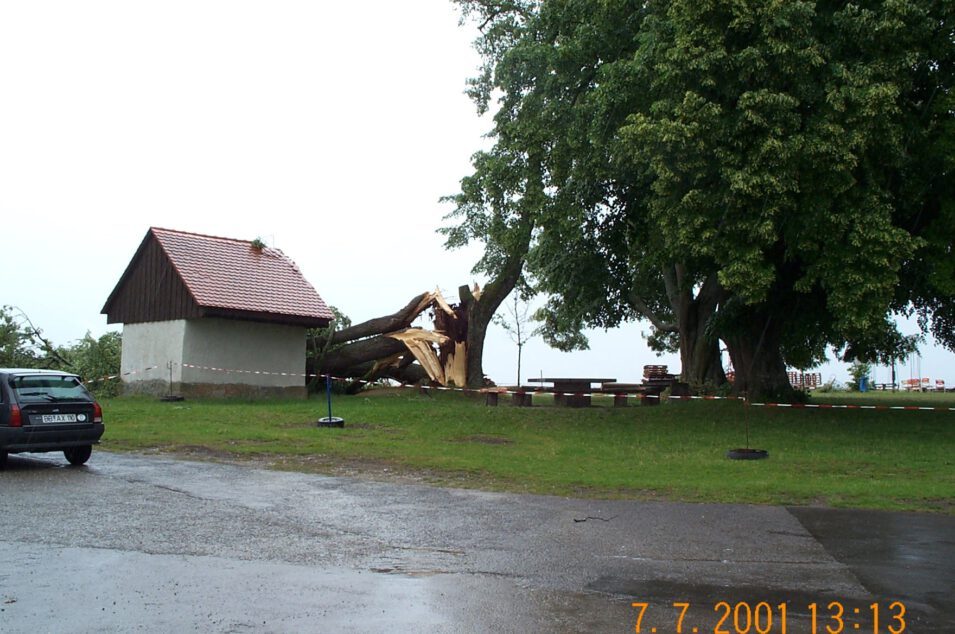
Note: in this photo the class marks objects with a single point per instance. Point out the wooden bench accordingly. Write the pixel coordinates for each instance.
(649, 394)
(522, 396)
(491, 395)
(571, 391)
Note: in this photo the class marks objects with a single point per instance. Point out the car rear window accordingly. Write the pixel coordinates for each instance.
(40, 388)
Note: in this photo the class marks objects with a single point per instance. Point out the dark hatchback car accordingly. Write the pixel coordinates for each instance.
(47, 410)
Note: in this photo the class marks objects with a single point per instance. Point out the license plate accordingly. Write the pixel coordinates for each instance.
(58, 418)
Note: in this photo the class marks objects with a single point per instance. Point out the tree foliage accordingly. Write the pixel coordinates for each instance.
(318, 343)
(777, 175)
(17, 349)
(96, 361)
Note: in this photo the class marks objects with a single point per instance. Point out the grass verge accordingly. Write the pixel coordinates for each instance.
(900, 460)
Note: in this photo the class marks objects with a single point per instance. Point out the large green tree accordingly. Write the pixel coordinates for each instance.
(775, 174)
(496, 206)
(96, 360)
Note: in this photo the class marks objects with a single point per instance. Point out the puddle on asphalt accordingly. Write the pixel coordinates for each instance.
(903, 556)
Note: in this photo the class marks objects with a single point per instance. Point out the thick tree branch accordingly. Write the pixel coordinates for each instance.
(45, 344)
(671, 285)
(711, 293)
(390, 323)
(641, 307)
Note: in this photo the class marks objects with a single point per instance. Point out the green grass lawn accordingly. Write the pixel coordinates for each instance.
(835, 457)
(879, 397)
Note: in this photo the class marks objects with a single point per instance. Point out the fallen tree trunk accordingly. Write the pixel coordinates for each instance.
(381, 325)
(340, 361)
(410, 374)
(387, 347)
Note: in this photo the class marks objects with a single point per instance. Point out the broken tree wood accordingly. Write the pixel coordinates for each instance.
(389, 347)
(389, 323)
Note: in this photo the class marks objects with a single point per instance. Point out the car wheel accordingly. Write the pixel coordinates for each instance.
(3, 459)
(78, 455)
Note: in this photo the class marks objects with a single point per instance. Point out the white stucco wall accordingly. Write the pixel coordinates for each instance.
(152, 344)
(243, 345)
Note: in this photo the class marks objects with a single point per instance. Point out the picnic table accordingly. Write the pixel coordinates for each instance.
(656, 379)
(571, 391)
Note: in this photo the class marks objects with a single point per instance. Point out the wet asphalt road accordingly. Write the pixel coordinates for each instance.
(136, 543)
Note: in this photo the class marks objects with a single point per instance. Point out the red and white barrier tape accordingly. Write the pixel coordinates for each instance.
(117, 376)
(442, 388)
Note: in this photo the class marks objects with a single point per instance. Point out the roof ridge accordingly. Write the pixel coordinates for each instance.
(203, 235)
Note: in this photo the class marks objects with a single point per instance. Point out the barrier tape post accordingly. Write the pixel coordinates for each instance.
(328, 394)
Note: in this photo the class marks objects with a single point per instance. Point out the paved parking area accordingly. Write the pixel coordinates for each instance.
(139, 543)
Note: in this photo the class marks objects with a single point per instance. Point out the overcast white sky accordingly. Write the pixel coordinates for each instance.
(328, 129)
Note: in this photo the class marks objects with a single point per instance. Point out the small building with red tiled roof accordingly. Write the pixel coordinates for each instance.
(204, 315)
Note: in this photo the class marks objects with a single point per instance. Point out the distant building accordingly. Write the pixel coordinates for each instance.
(191, 302)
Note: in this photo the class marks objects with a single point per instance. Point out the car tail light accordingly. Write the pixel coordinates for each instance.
(16, 419)
(97, 413)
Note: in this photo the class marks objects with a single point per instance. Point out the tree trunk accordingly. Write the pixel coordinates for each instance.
(370, 371)
(340, 361)
(480, 309)
(482, 306)
(380, 325)
(479, 313)
(692, 311)
(700, 356)
(385, 347)
(754, 348)
(699, 350)
(377, 348)
(520, 347)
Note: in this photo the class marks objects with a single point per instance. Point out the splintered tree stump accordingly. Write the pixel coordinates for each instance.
(388, 347)
(452, 322)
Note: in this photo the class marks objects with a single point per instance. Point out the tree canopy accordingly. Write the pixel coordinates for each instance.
(23, 345)
(774, 174)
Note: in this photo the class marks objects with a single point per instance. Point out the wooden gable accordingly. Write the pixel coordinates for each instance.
(150, 290)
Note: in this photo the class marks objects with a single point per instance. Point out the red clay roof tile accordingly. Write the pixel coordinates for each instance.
(233, 274)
